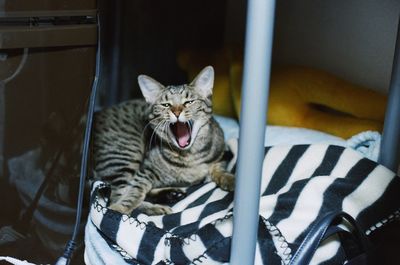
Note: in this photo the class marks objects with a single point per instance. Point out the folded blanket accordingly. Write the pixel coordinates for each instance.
(300, 184)
(367, 143)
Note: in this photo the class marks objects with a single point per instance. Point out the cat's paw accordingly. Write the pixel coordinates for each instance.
(120, 208)
(167, 195)
(174, 195)
(225, 180)
(156, 209)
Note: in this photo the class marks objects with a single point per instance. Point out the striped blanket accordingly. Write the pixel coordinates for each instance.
(300, 184)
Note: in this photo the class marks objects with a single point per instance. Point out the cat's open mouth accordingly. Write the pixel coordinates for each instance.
(182, 132)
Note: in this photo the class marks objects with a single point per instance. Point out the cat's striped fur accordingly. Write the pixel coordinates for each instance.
(169, 140)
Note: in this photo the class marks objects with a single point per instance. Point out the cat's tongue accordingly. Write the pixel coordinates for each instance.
(182, 134)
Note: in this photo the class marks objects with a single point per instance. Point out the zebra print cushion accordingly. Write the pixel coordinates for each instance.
(300, 184)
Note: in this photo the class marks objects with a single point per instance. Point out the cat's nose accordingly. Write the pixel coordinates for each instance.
(177, 112)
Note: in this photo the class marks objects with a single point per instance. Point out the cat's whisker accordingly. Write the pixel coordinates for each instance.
(146, 126)
(151, 139)
(166, 127)
(154, 131)
(161, 132)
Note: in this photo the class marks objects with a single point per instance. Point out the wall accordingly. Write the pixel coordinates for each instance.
(353, 39)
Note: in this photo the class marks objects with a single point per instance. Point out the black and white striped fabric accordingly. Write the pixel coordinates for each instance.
(300, 184)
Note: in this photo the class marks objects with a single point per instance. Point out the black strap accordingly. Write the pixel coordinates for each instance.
(328, 226)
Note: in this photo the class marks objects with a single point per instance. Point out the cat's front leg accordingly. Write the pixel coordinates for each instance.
(154, 209)
(224, 179)
(126, 198)
(128, 192)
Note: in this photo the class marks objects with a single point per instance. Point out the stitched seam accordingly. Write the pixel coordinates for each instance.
(143, 225)
(170, 235)
(122, 252)
(274, 231)
(126, 218)
(126, 256)
(392, 217)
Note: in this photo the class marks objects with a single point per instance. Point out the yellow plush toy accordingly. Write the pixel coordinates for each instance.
(299, 96)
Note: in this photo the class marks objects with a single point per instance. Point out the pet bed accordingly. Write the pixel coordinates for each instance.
(300, 184)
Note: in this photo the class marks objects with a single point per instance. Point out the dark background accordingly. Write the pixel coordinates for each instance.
(142, 37)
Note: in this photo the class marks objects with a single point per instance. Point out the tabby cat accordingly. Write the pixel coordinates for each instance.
(168, 140)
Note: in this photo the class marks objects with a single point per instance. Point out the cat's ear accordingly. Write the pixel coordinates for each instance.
(204, 81)
(150, 88)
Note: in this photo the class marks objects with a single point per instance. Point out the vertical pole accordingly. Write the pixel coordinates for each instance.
(390, 147)
(256, 76)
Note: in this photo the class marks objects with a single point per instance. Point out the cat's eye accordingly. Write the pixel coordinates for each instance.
(167, 105)
(188, 102)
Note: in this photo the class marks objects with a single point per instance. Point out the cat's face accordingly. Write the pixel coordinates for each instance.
(178, 112)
